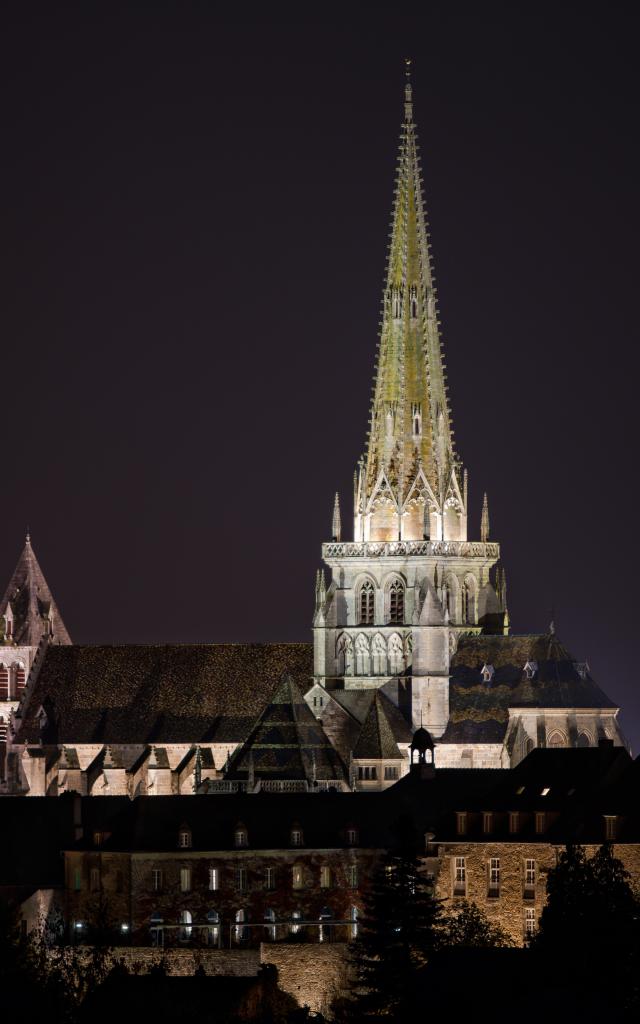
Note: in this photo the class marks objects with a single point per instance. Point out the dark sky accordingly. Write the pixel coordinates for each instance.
(194, 218)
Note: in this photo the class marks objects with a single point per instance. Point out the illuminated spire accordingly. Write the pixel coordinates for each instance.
(336, 527)
(33, 607)
(410, 458)
(484, 520)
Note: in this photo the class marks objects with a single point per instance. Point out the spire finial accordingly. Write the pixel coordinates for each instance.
(408, 105)
(484, 521)
(337, 523)
(28, 536)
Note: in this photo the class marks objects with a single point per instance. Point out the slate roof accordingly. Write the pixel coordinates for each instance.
(32, 602)
(177, 693)
(377, 738)
(479, 709)
(287, 743)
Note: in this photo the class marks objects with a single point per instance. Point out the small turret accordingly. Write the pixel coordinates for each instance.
(422, 753)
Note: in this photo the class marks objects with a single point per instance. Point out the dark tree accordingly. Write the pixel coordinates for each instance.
(470, 928)
(400, 928)
(591, 924)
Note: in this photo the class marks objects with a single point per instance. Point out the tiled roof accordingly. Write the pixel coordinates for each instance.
(287, 743)
(377, 739)
(178, 693)
(479, 708)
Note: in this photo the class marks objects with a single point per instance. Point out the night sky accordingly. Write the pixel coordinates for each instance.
(194, 218)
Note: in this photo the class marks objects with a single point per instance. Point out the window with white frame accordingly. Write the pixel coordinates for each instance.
(185, 931)
(241, 879)
(185, 879)
(352, 836)
(270, 878)
(296, 836)
(325, 877)
(461, 822)
(297, 877)
(241, 837)
(494, 876)
(156, 879)
(529, 874)
(214, 879)
(529, 922)
(352, 876)
(459, 876)
(184, 838)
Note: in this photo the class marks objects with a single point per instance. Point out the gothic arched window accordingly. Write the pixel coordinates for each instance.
(396, 602)
(367, 603)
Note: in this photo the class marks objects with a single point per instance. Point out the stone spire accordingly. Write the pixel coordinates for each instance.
(410, 457)
(33, 608)
(484, 520)
(336, 526)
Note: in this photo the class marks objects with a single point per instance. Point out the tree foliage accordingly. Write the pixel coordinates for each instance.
(470, 928)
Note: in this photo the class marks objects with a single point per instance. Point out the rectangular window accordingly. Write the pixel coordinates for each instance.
(352, 876)
(325, 877)
(514, 822)
(529, 922)
(214, 879)
(540, 821)
(297, 877)
(610, 827)
(367, 772)
(494, 876)
(296, 837)
(95, 879)
(184, 839)
(487, 821)
(77, 879)
(241, 879)
(352, 836)
(269, 878)
(461, 822)
(460, 877)
(529, 876)
(156, 880)
(390, 771)
(185, 879)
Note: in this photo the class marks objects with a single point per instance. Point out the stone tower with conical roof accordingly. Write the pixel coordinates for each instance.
(410, 582)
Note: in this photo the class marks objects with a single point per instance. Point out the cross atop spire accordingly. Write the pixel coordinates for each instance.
(410, 459)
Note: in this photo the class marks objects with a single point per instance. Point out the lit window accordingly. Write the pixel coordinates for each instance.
(325, 877)
(241, 879)
(184, 838)
(352, 876)
(487, 821)
(529, 922)
(98, 838)
(367, 602)
(353, 917)
(396, 602)
(545, 791)
(241, 837)
(514, 822)
(241, 931)
(185, 925)
(529, 874)
(519, 790)
(156, 879)
(390, 771)
(540, 821)
(213, 930)
(610, 827)
(214, 879)
(297, 877)
(461, 822)
(94, 879)
(460, 876)
(185, 879)
(296, 837)
(368, 773)
(494, 876)
(269, 878)
(296, 916)
(352, 836)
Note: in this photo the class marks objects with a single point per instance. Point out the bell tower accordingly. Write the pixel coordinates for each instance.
(410, 581)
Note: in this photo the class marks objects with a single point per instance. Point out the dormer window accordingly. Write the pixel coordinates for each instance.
(184, 839)
(241, 836)
(487, 672)
(461, 823)
(296, 836)
(352, 836)
(530, 669)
